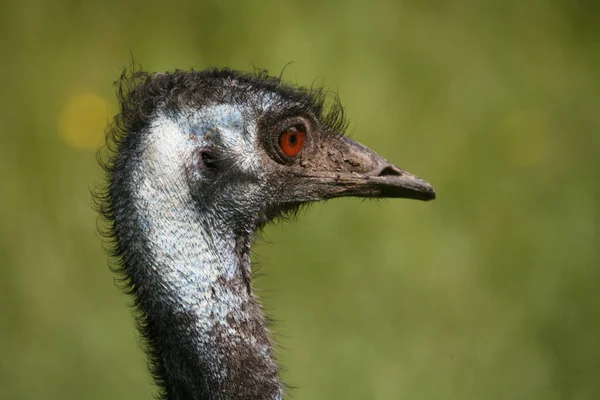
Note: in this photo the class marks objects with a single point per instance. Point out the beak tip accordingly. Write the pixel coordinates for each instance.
(417, 191)
(420, 189)
(432, 195)
(429, 192)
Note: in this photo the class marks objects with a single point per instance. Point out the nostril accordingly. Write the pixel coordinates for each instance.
(390, 171)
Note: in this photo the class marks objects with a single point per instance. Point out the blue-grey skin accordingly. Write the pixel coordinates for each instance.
(195, 173)
(192, 256)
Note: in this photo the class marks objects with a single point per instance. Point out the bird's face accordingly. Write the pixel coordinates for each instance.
(257, 159)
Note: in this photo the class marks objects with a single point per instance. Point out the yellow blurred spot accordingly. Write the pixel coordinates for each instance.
(524, 138)
(82, 120)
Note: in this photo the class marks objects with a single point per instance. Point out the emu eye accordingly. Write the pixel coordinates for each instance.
(292, 140)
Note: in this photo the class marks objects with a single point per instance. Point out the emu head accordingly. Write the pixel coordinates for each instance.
(200, 161)
(247, 148)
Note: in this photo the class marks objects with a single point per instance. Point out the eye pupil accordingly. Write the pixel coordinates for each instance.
(293, 139)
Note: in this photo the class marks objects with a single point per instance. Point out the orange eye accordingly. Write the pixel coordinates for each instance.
(291, 142)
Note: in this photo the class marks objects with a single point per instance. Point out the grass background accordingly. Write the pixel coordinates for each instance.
(490, 292)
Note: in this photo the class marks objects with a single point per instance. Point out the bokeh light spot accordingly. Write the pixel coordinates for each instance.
(82, 120)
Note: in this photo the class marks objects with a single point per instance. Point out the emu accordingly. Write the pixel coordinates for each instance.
(199, 161)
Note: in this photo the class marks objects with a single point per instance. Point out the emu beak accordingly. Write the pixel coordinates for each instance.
(347, 168)
(392, 181)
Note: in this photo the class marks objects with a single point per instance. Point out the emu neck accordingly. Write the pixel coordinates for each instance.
(191, 277)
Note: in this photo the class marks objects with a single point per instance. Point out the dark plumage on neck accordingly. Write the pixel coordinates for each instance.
(195, 167)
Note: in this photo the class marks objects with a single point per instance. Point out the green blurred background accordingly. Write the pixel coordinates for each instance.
(490, 292)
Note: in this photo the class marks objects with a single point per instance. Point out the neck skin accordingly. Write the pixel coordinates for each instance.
(191, 278)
